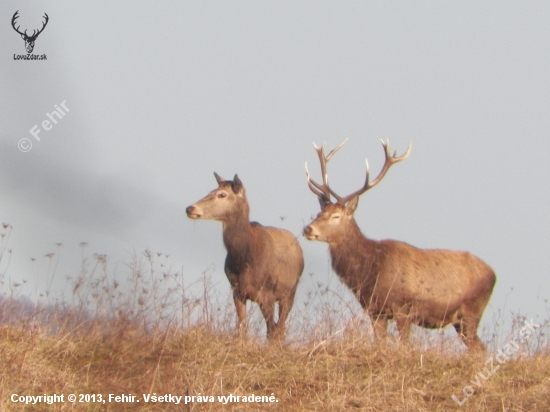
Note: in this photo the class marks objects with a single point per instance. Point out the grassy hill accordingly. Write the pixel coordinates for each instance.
(145, 338)
(346, 372)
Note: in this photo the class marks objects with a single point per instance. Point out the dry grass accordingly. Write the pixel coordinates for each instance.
(146, 335)
(347, 374)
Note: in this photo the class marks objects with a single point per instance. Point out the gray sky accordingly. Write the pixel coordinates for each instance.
(162, 94)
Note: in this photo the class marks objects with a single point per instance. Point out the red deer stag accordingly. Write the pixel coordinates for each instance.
(263, 264)
(394, 280)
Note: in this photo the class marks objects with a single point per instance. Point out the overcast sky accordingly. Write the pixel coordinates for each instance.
(162, 94)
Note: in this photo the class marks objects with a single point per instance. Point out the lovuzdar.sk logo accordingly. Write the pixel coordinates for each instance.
(29, 39)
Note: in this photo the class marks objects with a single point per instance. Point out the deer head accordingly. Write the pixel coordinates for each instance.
(221, 203)
(29, 40)
(330, 223)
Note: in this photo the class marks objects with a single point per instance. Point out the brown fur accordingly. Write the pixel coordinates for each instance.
(394, 280)
(263, 264)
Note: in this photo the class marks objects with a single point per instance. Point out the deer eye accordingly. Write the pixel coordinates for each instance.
(221, 195)
(335, 217)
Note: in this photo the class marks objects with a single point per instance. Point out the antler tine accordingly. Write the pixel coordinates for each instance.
(316, 188)
(390, 160)
(327, 158)
(13, 21)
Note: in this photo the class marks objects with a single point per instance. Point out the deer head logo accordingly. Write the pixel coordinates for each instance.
(29, 40)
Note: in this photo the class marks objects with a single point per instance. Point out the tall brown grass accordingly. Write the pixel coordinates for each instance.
(141, 331)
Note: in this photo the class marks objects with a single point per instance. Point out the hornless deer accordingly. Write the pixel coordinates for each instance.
(394, 280)
(263, 264)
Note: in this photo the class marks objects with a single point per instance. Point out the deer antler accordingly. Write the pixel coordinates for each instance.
(43, 27)
(34, 33)
(14, 18)
(323, 191)
(390, 160)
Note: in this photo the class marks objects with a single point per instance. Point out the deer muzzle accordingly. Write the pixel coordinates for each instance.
(193, 212)
(310, 233)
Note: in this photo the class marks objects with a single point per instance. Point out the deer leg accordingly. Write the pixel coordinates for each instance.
(470, 335)
(475, 344)
(459, 329)
(380, 324)
(267, 311)
(240, 304)
(404, 328)
(466, 328)
(285, 305)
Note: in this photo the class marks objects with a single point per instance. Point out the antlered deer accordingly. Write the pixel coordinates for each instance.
(394, 280)
(263, 264)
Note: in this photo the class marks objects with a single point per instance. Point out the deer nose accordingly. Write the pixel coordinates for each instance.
(191, 211)
(311, 233)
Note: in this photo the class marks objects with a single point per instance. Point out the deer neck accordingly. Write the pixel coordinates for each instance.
(356, 259)
(237, 238)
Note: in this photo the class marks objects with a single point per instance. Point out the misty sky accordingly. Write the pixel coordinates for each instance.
(162, 94)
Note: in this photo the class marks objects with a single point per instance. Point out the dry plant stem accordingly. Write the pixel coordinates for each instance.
(165, 344)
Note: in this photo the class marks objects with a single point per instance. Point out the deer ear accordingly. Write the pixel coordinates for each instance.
(23, 36)
(238, 187)
(323, 202)
(219, 179)
(351, 205)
